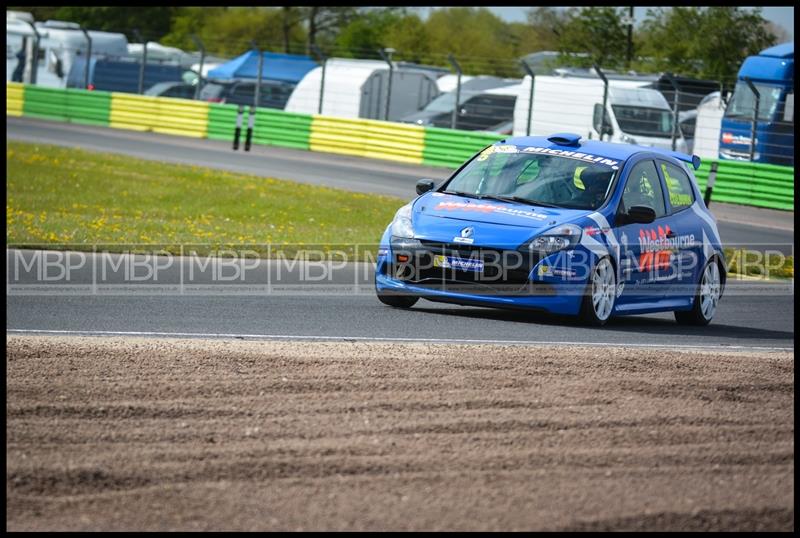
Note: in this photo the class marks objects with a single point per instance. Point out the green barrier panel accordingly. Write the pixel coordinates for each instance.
(222, 122)
(88, 107)
(448, 147)
(48, 103)
(753, 184)
(285, 129)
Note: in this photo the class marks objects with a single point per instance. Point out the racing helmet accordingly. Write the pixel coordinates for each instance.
(595, 181)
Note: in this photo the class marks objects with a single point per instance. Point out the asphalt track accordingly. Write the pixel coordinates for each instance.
(751, 315)
(738, 225)
(100, 299)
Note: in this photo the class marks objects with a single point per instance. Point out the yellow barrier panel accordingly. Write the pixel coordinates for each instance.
(15, 96)
(182, 117)
(136, 112)
(166, 115)
(367, 138)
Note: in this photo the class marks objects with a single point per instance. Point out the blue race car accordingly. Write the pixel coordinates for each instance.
(557, 224)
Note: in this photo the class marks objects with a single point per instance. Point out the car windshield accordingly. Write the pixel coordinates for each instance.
(644, 121)
(537, 176)
(743, 102)
(445, 102)
(211, 90)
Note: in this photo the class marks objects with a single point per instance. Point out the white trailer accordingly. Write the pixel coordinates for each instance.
(60, 43)
(634, 115)
(358, 89)
(708, 126)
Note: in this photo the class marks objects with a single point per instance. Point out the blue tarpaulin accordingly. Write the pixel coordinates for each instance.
(276, 66)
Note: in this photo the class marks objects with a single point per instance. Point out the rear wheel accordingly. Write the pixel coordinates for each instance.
(706, 298)
(601, 292)
(398, 301)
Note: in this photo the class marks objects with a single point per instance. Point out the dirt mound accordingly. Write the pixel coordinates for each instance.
(148, 434)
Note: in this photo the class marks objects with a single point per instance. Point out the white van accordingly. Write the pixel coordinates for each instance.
(59, 44)
(634, 115)
(358, 89)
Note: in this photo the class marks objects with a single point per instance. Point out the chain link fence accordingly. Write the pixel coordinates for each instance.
(752, 121)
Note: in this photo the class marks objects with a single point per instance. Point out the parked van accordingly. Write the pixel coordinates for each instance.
(488, 110)
(358, 89)
(60, 44)
(633, 115)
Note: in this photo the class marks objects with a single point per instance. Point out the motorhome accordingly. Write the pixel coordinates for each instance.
(359, 89)
(59, 44)
(633, 114)
(771, 74)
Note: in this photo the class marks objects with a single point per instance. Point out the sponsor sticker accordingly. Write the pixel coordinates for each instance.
(453, 262)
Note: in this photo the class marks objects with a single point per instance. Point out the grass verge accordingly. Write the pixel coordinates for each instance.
(75, 198)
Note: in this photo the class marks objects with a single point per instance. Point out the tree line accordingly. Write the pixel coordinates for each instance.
(704, 42)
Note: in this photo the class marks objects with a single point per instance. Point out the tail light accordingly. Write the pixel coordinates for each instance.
(90, 87)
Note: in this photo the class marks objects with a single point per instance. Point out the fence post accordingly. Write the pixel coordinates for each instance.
(258, 79)
(755, 117)
(144, 60)
(675, 95)
(457, 104)
(324, 60)
(238, 132)
(250, 123)
(605, 98)
(386, 54)
(530, 72)
(88, 57)
(35, 59)
(712, 178)
(199, 86)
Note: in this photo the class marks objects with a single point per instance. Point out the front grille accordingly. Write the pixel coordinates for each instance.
(505, 271)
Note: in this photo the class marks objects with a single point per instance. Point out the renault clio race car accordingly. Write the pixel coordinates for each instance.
(557, 224)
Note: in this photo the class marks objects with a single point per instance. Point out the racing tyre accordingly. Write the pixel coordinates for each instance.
(398, 301)
(706, 298)
(600, 295)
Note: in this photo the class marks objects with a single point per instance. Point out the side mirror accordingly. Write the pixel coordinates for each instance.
(641, 214)
(425, 185)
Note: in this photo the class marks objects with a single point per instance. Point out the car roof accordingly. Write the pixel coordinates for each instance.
(594, 147)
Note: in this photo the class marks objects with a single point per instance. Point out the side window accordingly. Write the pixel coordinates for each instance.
(679, 186)
(644, 188)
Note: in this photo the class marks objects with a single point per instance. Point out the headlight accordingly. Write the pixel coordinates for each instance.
(401, 225)
(559, 238)
(628, 139)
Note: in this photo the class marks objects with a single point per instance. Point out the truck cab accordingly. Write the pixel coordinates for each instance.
(771, 74)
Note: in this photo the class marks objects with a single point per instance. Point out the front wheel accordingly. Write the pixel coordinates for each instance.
(398, 301)
(601, 293)
(705, 300)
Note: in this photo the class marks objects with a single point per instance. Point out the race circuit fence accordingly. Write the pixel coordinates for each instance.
(755, 184)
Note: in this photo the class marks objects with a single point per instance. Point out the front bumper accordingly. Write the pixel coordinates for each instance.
(524, 285)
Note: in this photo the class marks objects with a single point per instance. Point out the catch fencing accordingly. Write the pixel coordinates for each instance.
(761, 185)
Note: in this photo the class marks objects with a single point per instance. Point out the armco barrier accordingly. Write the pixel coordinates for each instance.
(755, 184)
(15, 95)
(136, 112)
(448, 147)
(182, 117)
(279, 128)
(761, 185)
(47, 103)
(368, 138)
(89, 107)
(222, 121)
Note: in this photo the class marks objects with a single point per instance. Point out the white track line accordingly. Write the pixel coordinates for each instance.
(720, 347)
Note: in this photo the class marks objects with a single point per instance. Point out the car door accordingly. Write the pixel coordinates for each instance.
(686, 241)
(642, 261)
